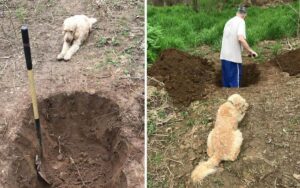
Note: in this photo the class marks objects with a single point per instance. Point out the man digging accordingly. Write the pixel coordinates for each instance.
(233, 42)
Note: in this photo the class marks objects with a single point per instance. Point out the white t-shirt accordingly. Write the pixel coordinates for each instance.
(231, 48)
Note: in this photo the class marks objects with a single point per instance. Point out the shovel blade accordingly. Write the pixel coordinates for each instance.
(39, 170)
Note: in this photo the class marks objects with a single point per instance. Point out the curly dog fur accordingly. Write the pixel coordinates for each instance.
(225, 140)
(76, 30)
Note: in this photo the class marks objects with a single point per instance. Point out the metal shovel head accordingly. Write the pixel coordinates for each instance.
(38, 166)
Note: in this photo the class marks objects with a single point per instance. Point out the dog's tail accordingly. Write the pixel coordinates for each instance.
(92, 21)
(204, 169)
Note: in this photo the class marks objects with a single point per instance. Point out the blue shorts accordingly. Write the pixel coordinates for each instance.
(231, 73)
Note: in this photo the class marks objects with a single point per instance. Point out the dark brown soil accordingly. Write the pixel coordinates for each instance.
(187, 78)
(250, 75)
(80, 126)
(288, 62)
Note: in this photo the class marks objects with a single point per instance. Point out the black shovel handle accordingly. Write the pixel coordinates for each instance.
(26, 45)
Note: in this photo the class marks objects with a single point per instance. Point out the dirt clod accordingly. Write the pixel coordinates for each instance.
(60, 157)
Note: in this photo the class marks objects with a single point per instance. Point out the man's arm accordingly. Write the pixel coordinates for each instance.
(245, 44)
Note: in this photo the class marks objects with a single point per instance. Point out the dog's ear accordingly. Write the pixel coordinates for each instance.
(75, 32)
(245, 106)
(239, 105)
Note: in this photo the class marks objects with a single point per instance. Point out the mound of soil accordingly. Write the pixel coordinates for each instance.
(250, 75)
(187, 78)
(79, 127)
(288, 62)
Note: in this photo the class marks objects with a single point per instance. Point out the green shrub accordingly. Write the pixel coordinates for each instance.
(153, 42)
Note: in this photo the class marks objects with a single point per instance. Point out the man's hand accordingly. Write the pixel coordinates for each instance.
(252, 53)
(245, 44)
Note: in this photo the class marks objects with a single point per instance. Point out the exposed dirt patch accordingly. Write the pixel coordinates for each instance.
(187, 78)
(269, 154)
(288, 62)
(110, 63)
(250, 75)
(80, 126)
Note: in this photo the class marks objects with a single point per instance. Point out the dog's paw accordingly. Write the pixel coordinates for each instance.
(60, 57)
(67, 57)
(195, 179)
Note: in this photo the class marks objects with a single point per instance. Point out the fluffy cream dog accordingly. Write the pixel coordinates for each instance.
(225, 140)
(76, 30)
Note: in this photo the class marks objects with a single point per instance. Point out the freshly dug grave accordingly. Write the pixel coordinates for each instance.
(80, 127)
(288, 62)
(187, 78)
(250, 75)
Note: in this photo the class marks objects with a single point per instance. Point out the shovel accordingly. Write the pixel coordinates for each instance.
(39, 156)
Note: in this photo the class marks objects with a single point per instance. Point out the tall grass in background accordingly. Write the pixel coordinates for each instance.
(180, 27)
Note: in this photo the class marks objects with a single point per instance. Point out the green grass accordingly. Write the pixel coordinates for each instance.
(184, 114)
(190, 122)
(162, 114)
(151, 127)
(276, 48)
(156, 159)
(180, 27)
(21, 14)
(115, 41)
(101, 42)
(295, 120)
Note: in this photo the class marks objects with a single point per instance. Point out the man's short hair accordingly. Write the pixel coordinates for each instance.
(242, 9)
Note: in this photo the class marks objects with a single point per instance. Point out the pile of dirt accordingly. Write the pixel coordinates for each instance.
(288, 62)
(79, 127)
(187, 78)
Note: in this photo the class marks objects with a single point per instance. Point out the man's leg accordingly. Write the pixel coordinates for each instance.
(235, 75)
(240, 74)
(225, 73)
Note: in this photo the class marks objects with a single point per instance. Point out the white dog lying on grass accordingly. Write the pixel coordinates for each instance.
(76, 30)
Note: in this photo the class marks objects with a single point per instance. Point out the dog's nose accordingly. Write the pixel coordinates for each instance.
(68, 40)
